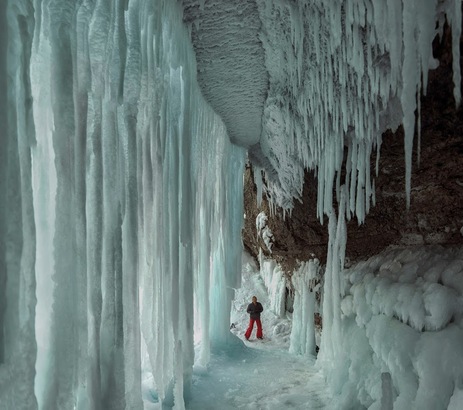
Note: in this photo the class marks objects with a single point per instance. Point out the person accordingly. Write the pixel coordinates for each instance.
(254, 310)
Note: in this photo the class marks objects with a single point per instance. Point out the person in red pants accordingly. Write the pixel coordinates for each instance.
(254, 310)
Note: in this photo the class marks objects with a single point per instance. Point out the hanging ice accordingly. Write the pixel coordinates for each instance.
(340, 74)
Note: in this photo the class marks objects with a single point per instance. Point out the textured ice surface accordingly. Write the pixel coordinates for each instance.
(231, 69)
(399, 309)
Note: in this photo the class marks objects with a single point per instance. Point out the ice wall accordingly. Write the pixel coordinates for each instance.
(123, 205)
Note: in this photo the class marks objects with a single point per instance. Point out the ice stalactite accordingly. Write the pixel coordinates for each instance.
(44, 185)
(264, 231)
(129, 182)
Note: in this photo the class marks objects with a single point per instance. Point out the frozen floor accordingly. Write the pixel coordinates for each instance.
(257, 375)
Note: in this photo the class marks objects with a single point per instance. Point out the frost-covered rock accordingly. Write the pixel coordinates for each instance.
(264, 231)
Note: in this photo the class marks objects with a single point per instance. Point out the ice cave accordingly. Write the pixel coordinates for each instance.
(164, 161)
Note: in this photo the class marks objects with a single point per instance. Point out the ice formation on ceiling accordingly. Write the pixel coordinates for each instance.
(339, 73)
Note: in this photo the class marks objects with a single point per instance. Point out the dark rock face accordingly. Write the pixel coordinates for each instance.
(436, 211)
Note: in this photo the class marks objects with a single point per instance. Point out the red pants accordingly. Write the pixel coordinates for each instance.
(247, 335)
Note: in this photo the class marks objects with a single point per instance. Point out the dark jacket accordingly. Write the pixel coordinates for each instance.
(254, 310)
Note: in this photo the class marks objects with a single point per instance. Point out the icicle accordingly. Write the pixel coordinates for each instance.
(368, 192)
(408, 96)
(418, 131)
(353, 179)
(455, 18)
(360, 196)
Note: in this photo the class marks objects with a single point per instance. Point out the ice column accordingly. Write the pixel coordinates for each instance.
(303, 330)
(44, 185)
(333, 288)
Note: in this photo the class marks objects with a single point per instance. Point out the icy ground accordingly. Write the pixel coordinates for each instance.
(259, 376)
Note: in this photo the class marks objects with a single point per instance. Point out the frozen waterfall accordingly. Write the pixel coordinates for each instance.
(121, 200)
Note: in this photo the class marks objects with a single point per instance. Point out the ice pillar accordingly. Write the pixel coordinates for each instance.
(333, 285)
